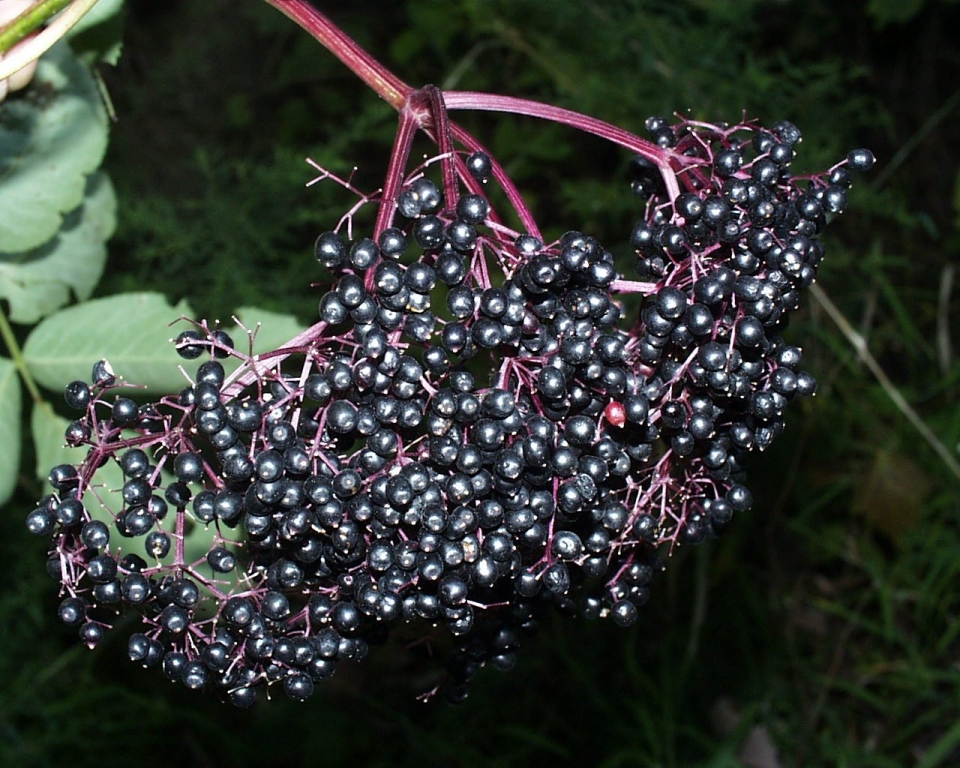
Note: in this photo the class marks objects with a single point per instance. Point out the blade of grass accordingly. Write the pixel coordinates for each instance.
(907, 327)
(944, 347)
(917, 139)
(942, 749)
(860, 347)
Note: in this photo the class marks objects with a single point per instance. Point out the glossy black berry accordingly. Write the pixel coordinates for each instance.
(221, 560)
(472, 209)
(479, 166)
(188, 467)
(157, 544)
(95, 534)
(91, 633)
(189, 344)
(124, 411)
(860, 159)
(72, 611)
(330, 250)
(77, 395)
(727, 162)
(222, 344)
(298, 687)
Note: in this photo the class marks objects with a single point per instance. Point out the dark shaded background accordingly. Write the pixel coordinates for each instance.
(826, 619)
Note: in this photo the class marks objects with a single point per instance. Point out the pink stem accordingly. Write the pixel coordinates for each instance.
(489, 102)
(444, 139)
(398, 161)
(505, 182)
(634, 286)
(397, 93)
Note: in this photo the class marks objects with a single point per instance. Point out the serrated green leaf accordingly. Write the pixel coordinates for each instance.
(39, 282)
(131, 330)
(9, 428)
(51, 137)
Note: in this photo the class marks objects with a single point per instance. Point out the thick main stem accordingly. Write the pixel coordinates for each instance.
(444, 139)
(398, 161)
(396, 93)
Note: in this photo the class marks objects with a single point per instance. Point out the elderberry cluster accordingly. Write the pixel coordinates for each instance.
(472, 433)
(729, 256)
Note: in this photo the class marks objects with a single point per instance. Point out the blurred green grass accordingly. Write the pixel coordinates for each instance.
(827, 617)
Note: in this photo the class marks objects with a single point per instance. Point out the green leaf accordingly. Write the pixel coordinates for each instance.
(105, 492)
(9, 428)
(50, 139)
(49, 444)
(98, 35)
(39, 282)
(275, 329)
(131, 330)
(103, 11)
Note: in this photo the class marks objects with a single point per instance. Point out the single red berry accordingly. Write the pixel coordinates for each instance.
(615, 413)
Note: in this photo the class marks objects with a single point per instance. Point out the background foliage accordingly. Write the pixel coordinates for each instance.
(826, 620)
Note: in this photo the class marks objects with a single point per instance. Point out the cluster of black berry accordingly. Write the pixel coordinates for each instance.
(466, 437)
(729, 255)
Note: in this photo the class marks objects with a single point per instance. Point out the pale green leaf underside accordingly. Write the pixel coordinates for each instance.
(48, 441)
(102, 12)
(98, 35)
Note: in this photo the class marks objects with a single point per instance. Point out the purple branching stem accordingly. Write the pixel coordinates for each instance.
(444, 139)
(392, 90)
(399, 155)
(506, 183)
(488, 102)
(634, 286)
(257, 367)
(397, 93)
(180, 537)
